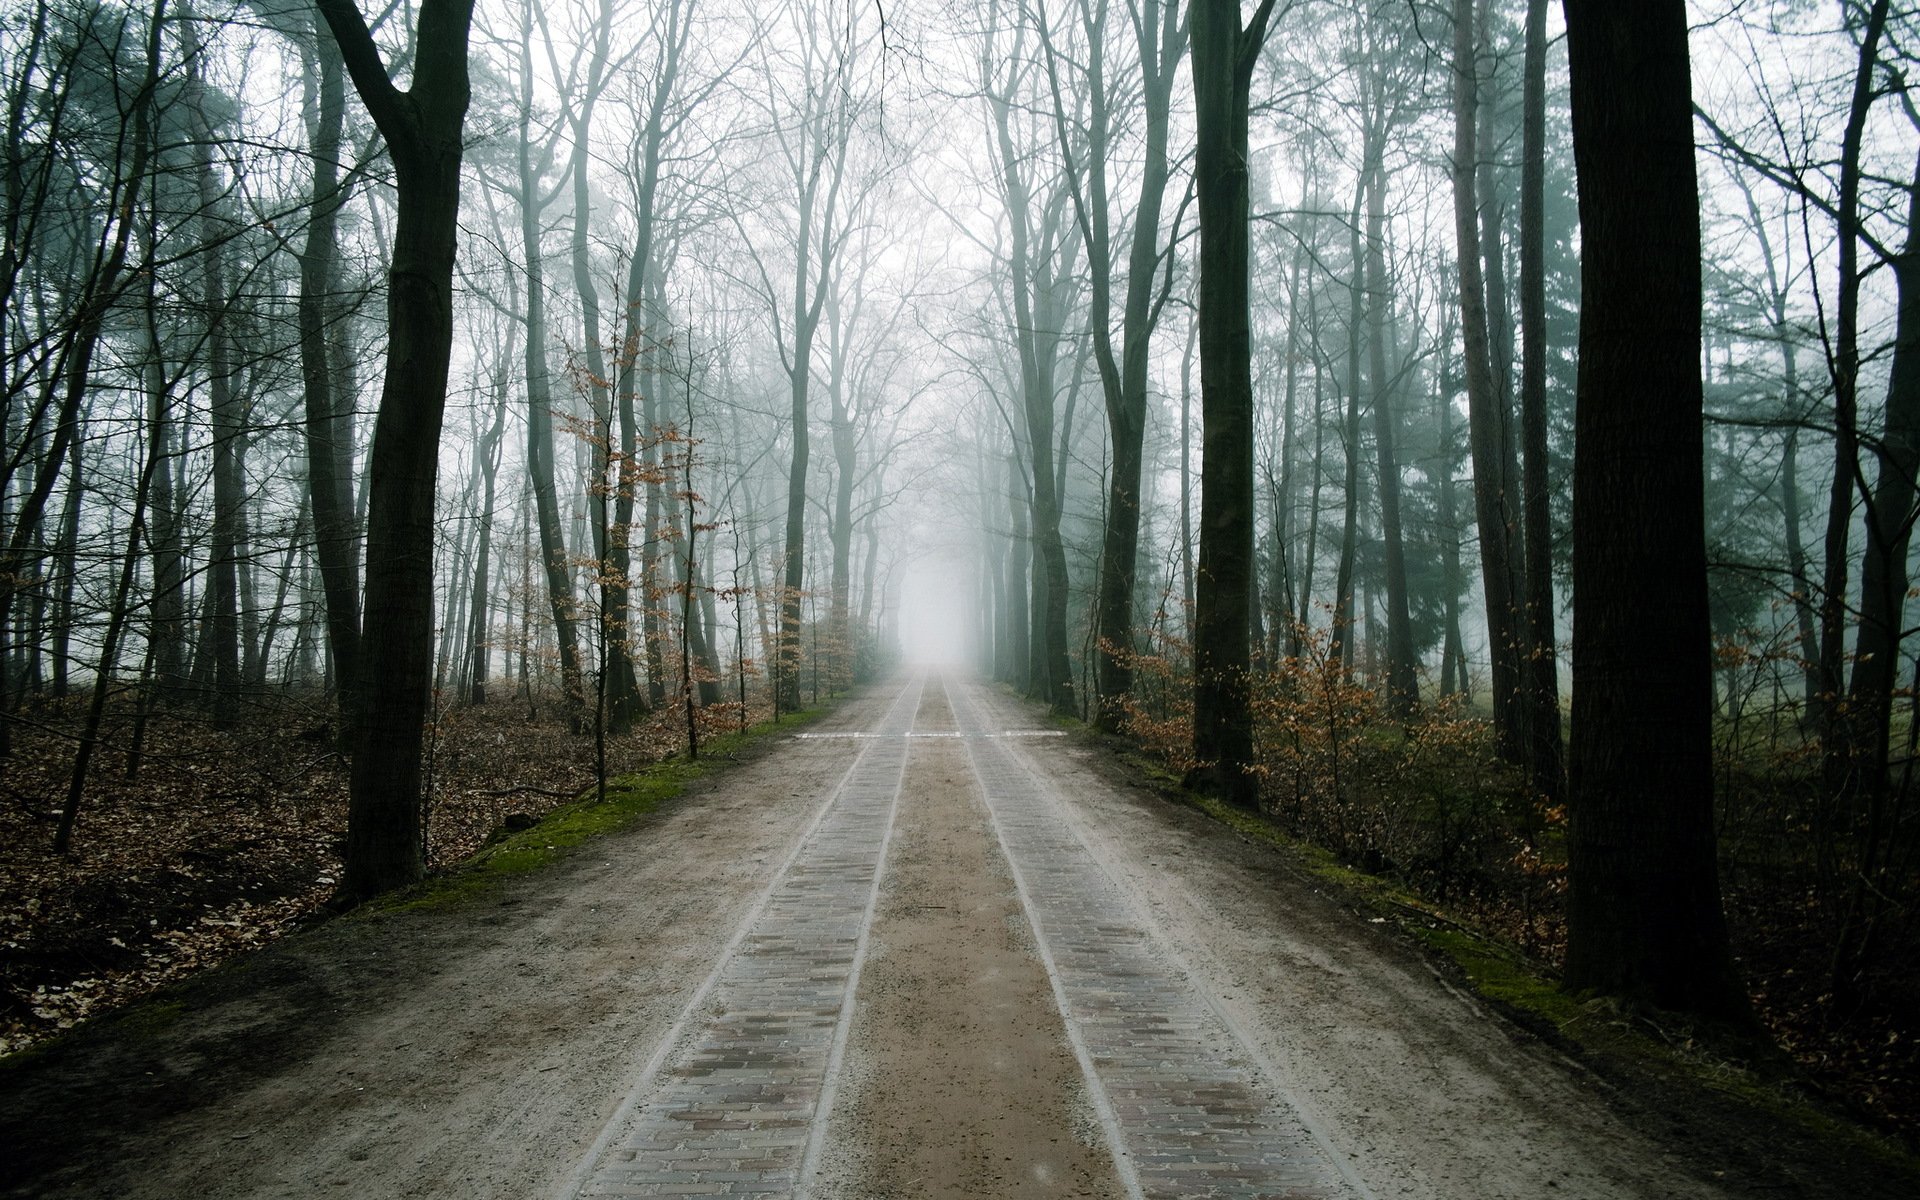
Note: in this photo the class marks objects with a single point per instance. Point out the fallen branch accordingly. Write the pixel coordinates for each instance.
(530, 790)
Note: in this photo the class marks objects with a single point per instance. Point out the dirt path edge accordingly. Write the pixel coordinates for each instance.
(77, 1110)
(1751, 1128)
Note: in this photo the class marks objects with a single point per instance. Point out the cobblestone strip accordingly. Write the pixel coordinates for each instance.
(1192, 1112)
(732, 1110)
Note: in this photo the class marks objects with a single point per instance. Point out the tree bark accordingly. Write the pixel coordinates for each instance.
(1492, 504)
(1844, 365)
(1643, 904)
(1543, 676)
(1883, 567)
(1402, 673)
(1224, 55)
(541, 448)
(329, 488)
(229, 487)
(422, 127)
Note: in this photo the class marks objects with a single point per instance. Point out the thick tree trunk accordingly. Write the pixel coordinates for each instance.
(1224, 55)
(1643, 904)
(168, 630)
(423, 128)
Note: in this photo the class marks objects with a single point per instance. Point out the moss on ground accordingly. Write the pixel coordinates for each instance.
(1595, 1029)
(629, 798)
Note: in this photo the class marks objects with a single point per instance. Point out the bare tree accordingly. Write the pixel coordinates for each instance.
(422, 127)
(1224, 54)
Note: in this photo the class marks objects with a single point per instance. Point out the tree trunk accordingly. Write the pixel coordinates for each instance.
(422, 128)
(329, 438)
(1019, 554)
(1543, 724)
(1224, 56)
(541, 454)
(1402, 673)
(229, 487)
(1161, 40)
(487, 462)
(1844, 359)
(1883, 568)
(1643, 904)
(1492, 504)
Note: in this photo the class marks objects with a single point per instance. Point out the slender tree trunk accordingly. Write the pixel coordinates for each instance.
(1844, 365)
(541, 450)
(1161, 39)
(329, 433)
(1402, 677)
(1643, 904)
(1019, 554)
(487, 462)
(1492, 504)
(1543, 724)
(1883, 568)
(1453, 654)
(229, 489)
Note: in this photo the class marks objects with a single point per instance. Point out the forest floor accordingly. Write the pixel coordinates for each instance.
(1012, 902)
(224, 841)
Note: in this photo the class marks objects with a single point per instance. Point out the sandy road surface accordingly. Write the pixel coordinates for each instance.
(923, 953)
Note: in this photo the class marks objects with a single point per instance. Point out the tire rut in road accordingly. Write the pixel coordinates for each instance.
(1185, 1103)
(960, 1082)
(732, 1101)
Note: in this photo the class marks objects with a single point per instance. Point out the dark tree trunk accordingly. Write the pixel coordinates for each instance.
(1643, 905)
(1543, 722)
(840, 531)
(68, 549)
(487, 462)
(1883, 568)
(1403, 680)
(1345, 616)
(541, 450)
(328, 437)
(793, 557)
(422, 127)
(1019, 554)
(1224, 55)
(1161, 40)
(1844, 364)
(229, 487)
(1492, 504)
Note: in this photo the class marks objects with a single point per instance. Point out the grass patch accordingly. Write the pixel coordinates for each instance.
(630, 797)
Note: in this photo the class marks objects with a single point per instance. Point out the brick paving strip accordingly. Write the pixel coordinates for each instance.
(1188, 1105)
(732, 1104)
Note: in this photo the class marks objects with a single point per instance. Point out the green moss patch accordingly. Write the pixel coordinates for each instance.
(629, 798)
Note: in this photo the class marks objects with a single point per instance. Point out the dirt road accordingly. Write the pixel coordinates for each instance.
(928, 949)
